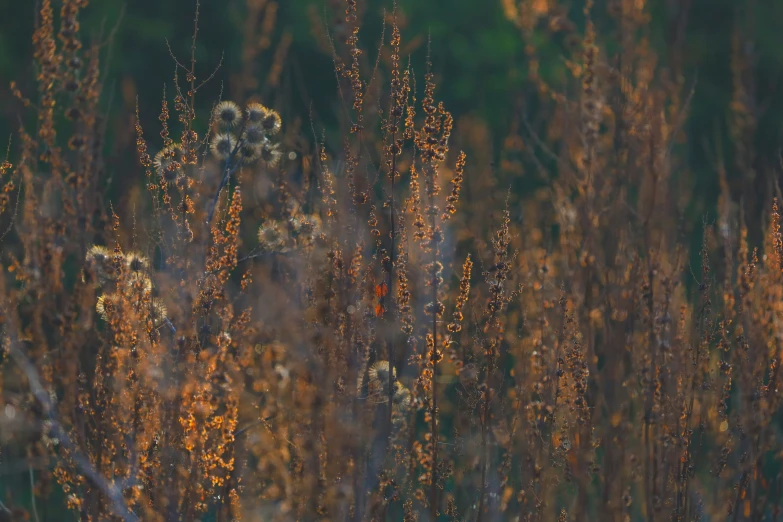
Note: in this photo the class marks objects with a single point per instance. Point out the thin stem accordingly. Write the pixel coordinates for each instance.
(434, 412)
(390, 288)
(434, 355)
(110, 489)
(32, 494)
(228, 171)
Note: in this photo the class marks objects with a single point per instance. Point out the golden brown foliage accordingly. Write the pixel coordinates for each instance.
(267, 346)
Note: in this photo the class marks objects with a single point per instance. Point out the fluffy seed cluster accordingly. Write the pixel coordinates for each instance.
(245, 137)
(124, 278)
(300, 231)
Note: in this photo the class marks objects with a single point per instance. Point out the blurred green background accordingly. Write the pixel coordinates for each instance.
(475, 50)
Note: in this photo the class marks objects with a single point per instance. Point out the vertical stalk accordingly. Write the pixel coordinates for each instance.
(434, 359)
(391, 282)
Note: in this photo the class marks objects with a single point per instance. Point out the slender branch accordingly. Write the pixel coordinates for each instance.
(392, 248)
(227, 172)
(112, 492)
(32, 494)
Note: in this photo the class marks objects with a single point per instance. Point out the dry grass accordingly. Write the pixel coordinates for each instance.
(385, 335)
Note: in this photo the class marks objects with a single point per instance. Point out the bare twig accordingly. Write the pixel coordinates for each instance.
(112, 492)
(32, 494)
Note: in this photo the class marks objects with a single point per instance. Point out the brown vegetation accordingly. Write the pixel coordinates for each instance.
(379, 331)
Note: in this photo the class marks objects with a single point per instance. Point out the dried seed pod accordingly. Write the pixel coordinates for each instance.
(137, 262)
(227, 114)
(223, 145)
(271, 154)
(107, 305)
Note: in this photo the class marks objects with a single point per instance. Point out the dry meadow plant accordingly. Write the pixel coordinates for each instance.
(310, 330)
